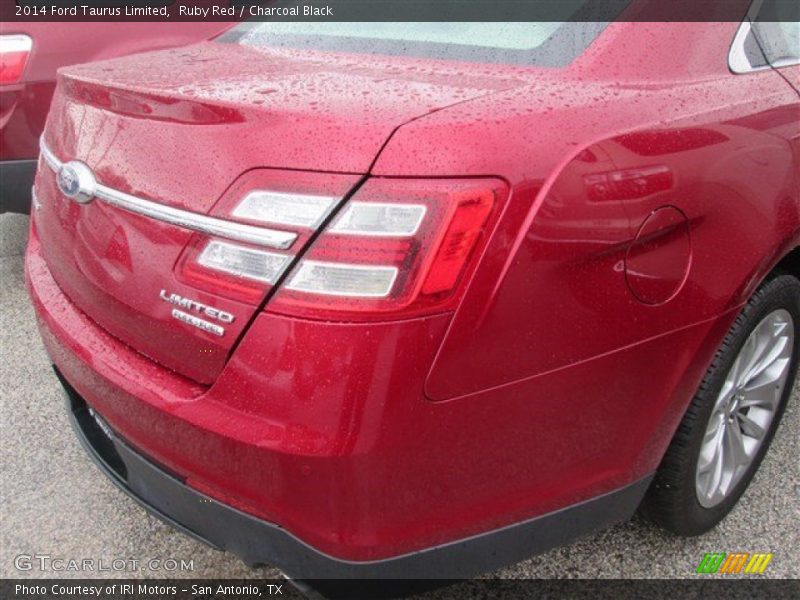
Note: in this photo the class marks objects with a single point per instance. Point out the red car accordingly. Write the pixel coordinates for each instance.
(30, 54)
(420, 300)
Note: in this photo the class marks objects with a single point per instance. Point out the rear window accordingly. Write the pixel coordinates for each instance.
(548, 44)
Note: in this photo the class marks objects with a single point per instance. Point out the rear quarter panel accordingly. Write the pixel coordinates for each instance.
(554, 290)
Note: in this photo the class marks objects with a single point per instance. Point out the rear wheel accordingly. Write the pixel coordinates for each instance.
(731, 421)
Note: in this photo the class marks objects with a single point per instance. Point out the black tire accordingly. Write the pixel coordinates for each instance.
(671, 501)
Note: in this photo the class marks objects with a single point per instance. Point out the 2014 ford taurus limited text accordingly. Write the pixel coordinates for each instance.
(421, 299)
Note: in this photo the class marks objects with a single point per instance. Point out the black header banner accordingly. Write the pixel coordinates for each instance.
(391, 10)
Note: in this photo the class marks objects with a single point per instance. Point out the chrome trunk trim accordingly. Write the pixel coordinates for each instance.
(259, 236)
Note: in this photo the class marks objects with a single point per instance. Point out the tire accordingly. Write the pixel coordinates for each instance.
(679, 498)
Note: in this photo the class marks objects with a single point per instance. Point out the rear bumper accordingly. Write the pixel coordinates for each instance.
(259, 542)
(15, 190)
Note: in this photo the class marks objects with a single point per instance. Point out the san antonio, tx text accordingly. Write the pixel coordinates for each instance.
(234, 591)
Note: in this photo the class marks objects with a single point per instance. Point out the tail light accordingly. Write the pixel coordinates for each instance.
(399, 248)
(14, 52)
(285, 200)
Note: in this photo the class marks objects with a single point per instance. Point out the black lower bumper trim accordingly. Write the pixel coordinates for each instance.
(16, 180)
(259, 542)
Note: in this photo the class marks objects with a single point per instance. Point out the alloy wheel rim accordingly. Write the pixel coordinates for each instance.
(745, 408)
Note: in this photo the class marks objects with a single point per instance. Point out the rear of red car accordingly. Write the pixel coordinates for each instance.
(218, 339)
(268, 346)
(258, 298)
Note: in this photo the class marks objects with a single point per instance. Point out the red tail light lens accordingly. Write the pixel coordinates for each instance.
(14, 52)
(399, 248)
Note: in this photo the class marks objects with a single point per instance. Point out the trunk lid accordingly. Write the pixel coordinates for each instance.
(194, 129)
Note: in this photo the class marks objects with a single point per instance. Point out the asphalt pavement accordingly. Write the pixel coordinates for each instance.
(54, 501)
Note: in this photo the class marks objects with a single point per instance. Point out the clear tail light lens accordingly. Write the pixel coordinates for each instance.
(243, 261)
(14, 53)
(230, 269)
(285, 209)
(339, 279)
(379, 219)
(293, 201)
(399, 248)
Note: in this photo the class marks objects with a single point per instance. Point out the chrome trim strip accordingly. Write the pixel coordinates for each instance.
(196, 222)
(259, 236)
(48, 156)
(35, 199)
(737, 60)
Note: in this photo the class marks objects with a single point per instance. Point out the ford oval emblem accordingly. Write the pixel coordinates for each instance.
(76, 181)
